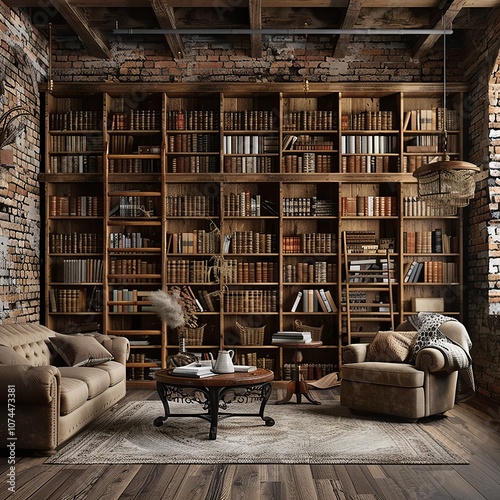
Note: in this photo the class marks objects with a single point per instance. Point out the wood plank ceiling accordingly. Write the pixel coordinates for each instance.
(94, 22)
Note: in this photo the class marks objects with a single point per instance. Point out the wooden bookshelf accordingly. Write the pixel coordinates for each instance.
(241, 193)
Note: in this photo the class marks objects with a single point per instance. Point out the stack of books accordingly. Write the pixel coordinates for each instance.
(200, 369)
(292, 337)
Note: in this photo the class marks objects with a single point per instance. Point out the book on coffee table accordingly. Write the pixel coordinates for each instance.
(244, 368)
(195, 370)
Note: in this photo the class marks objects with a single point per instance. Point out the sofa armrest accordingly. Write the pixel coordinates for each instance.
(355, 353)
(119, 347)
(33, 385)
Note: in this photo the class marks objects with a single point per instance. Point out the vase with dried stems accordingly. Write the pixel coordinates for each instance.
(177, 307)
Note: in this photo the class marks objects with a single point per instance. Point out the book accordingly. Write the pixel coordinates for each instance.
(296, 302)
(244, 368)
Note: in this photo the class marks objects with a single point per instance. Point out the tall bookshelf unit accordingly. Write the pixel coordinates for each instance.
(241, 194)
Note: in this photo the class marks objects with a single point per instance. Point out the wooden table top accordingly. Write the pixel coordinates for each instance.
(259, 376)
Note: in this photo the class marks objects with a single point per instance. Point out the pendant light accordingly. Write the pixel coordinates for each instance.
(446, 182)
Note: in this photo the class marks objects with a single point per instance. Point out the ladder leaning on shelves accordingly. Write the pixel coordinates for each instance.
(368, 293)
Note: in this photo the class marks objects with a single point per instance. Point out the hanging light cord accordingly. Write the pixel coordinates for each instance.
(445, 136)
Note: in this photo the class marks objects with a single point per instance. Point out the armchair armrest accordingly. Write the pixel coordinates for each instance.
(119, 347)
(34, 385)
(355, 353)
(432, 360)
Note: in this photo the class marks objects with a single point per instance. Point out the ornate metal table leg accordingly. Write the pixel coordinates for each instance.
(162, 392)
(213, 410)
(265, 393)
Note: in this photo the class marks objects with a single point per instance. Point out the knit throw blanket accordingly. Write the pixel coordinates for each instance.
(429, 335)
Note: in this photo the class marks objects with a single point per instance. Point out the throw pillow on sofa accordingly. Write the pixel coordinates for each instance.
(80, 350)
(391, 346)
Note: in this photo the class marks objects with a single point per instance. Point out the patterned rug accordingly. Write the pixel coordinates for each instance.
(302, 434)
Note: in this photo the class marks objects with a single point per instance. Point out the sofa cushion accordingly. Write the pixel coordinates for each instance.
(373, 372)
(10, 357)
(391, 346)
(80, 350)
(115, 370)
(97, 381)
(74, 393)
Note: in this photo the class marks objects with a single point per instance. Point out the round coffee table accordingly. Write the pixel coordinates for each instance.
(215, 391)
(297, 386)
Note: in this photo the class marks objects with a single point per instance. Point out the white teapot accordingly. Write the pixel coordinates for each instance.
(224, 362)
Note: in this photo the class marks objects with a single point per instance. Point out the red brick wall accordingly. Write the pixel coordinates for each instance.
(22, 66)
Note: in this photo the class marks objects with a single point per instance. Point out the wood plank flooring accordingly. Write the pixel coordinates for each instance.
(472, 428)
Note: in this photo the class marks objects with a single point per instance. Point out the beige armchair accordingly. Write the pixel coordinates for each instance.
(402, 389)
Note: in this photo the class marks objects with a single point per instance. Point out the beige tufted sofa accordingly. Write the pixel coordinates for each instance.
(48, 403)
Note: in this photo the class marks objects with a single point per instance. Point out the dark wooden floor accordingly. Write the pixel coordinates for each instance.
(473, 428)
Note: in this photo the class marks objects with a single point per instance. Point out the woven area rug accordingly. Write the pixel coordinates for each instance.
(302, 434)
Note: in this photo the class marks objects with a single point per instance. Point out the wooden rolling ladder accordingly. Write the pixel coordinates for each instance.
(368, 293)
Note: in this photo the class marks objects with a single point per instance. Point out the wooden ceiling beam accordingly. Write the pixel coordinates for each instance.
(255, 11)
(166, 19)
(91, 38)
(350, 18)
(447, 16)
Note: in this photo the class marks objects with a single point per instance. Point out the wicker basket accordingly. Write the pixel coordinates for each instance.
(193, 336)
(248, 335)
(316, 331)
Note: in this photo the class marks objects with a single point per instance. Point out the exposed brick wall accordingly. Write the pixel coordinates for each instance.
(23, 63)
(284, 60)
(484, 214)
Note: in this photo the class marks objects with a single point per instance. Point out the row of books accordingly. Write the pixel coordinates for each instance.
(242, 204)
(82, 206)
(131, 240)
(80, 271)
(316, 272)
(434, 241)
(371, 206)
(193, 143)
(75, 143)
(143, 119)
(250, 272)
(308, 371)
(197, 241)
(68, 300)
(250, 120)
(190, 206)
(314, 300)
(249, 144)
(418, 207)
(75, 242)
(249, 301)
(132, 206)
(193, 164)
(189, 271)
(76, 164)
(126, 300)
(249, 164)
(307, 163)
(307, 206)
(250, 242)
(367, 120)
(438, 118)
(192, 120)
(310, 120)
(367, 164)
(132, 266)
(369, 144)
(310, 243)
(76, 120)
(430, 272)
(134, 166)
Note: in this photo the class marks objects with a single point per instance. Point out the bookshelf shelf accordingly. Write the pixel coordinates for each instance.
(251, 181)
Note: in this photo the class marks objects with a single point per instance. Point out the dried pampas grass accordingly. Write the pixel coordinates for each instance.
(168, 308)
